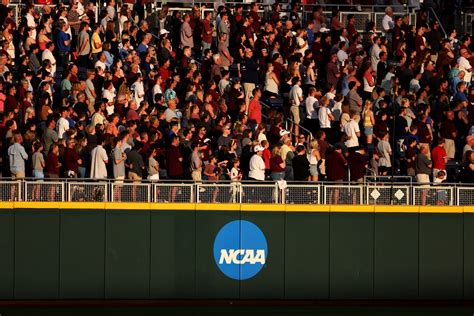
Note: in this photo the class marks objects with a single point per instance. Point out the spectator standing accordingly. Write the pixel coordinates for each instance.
(325, 117)
(388, 24)
(249, 69)
(336, 172)
(357, 163)
(63, 45)
(449, 132)
(50, 135)
(196, 162)
(439, 157)
(423, 170)
(287, 154)
(465, 65)
(99, 160)
(277, 164)
(186, 33)
(314, 159)
(332, 71)
(206, 32)
(257, 165)
(352, 131)
(312, 112)
(63, 124)
(254, 109)
(301, 165)
(72, 160)
(296, 98)
(385, 155)
(83, 47)
(17, 156)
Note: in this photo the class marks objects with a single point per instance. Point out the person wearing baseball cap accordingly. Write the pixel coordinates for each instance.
(257, 165)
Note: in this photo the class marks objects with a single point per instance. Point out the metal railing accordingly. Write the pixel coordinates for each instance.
(310, 193)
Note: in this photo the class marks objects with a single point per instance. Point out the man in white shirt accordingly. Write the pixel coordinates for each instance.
(101, 62)
(342, 55)
(63, 124)
(375, 52)
(296, 97)
(325, 117)
(48, 54)
(387, 23)
(352, 132)
(465, 66)
(312, 107)
(138, 89)
(30, 19)
(99, 160)
(257, 165)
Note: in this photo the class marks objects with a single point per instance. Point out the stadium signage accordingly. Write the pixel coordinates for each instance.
(240, 250)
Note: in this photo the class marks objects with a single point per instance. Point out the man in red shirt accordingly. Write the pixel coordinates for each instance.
(206, 32)
(254, 110)
(439, 157)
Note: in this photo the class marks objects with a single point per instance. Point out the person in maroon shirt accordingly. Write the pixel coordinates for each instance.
(351, 29)
(206, 31)
(275, 15)
(278, 67)
(174, 165)
(449, 132)
(336, 171)
(423, 131)
(255, 18)
(174, 160)
(72, 161)
(11, 102)
(357, 164)
(420, 42)
(332, 71)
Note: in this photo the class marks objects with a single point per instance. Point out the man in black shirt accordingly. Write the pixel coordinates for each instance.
(249, 69)
(3, 10)
(135, 161)
(300, 165)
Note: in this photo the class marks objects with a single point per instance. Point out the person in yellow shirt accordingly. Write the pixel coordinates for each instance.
(96, 43)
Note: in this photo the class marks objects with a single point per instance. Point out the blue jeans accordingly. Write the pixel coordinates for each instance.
(276, 176)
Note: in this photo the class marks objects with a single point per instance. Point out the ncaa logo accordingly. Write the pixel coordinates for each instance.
(240, 250)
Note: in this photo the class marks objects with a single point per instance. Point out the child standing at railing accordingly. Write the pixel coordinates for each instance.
(38, 168)
(235, 178)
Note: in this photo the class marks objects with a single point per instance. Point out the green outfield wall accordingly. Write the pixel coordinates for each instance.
(166, 251)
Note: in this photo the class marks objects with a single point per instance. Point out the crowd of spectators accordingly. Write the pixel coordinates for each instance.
(179, 96)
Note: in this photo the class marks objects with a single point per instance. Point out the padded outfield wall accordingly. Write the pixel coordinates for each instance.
(168, 251)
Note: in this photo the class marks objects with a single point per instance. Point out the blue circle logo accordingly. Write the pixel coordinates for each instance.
(240, 250)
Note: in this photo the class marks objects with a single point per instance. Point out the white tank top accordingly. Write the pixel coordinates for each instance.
(270, 84)
(312, 158)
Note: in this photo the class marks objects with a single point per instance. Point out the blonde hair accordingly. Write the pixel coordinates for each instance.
(276, 151)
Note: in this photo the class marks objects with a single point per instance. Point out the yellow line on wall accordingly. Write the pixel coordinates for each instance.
(289, 208)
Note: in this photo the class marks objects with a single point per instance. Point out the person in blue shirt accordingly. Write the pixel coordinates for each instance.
(63, 43)
(142, 48)
(309, 32)
(412, 135)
